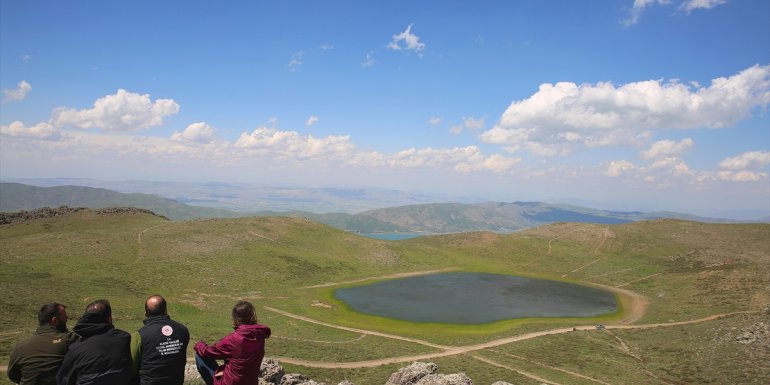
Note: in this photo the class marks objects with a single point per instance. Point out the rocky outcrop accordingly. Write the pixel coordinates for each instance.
(48, 212)
(418, 373)
(754, 333)
(411, 374)
(445, 379)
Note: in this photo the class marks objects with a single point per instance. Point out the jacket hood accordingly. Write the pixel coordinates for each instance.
(90, 324)
(253, 331)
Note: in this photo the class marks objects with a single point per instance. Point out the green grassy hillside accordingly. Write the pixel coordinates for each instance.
(685, 270)
(16, 197)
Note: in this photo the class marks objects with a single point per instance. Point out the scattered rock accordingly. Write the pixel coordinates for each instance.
(501, 383)
(48, 212)
(346, 382)
(754, 333)
(409, 375)
(445, 379)
(298, 379)
(271, 371)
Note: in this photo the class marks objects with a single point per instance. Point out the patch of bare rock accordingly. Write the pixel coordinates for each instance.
(418, 373)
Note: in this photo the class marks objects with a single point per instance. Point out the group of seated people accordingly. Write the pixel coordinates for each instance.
(96, 353)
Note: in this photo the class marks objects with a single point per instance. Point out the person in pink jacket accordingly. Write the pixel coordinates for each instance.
(241, 350)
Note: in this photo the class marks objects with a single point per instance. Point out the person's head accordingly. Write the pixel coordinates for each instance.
(54, 314)
(244, 314)
(102, 309)
(155, 305)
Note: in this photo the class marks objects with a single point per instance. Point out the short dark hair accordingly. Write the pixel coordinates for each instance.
(49, 311)
(100, 307)
(244, 313)
(155, 305)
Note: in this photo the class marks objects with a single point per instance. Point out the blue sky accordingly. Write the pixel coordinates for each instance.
(646, 104)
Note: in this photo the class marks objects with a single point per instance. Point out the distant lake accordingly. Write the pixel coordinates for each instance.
(392, 236)
(475, 298)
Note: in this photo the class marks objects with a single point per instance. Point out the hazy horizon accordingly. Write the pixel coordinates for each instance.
(631, 105)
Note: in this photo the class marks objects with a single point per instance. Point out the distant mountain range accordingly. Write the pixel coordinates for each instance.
(431, 218)
(440, 218)
(17, 197)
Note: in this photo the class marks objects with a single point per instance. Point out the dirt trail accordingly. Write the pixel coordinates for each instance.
(523, 373)
(605, 235)
(390, 276)
(455, 350)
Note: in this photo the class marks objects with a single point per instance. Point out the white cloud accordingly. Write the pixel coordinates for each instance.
(38, 131)
(473, 124)
(456, 129)
(691, 5)
(368, 60)
(18, 93)
(667, 148)
(124, 111)
(26, 58)
(638, 8)
(461, 159)
(406, 40)
(296, 60)
(292, 144)
(434, 121)
(198, 132)
(311, 120)
(326, 47)
(619, 167)
(603, 114)
(751, 159)
(741, 176)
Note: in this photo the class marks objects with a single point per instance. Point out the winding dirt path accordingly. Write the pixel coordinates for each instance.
(455, 350)
(390, 276)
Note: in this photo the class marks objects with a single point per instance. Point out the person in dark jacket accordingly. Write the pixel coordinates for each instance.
(241, 350)
(36, 359)
(159, 349)
(101, 356)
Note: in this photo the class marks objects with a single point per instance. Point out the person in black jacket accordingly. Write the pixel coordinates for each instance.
(159, 349)
(36, 359)
(102, 355)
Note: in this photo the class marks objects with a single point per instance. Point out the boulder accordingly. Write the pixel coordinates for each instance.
(445, 379)
(409, 375)
(501, 383)
(298, 379)
(271, 371)
(346, 382)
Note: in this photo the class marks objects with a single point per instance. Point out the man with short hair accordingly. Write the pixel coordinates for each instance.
(159, 348)
(102, 355)
(36, 359)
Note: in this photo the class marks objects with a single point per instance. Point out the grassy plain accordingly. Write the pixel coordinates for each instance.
(686, 271)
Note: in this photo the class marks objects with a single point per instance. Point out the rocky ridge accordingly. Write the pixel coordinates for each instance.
(49, 212)
(418, 373)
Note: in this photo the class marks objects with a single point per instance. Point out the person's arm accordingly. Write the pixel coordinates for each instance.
(14, 368)
(220, 350)
(65, 374)
(136, 353)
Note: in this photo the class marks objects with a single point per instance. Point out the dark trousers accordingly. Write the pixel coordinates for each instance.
(206, 368)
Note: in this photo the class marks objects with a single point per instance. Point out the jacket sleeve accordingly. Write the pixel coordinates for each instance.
(220, 350)
(65, 376)
(136, 353)
(14, 368)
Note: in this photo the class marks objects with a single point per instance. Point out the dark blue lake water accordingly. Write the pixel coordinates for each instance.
(475, 298)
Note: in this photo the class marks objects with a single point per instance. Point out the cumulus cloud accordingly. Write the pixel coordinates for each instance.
(434, 121)
(296, 60)
(406, 40)
(691, 5)
(292, 144)
(38, 131)
(751, 159)
(666, 148)
(311, 120)
(603, 114)
(619, 167)
(461, 159)
(198, 132)
(18, 93)
(473, 123)
(124, 111)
